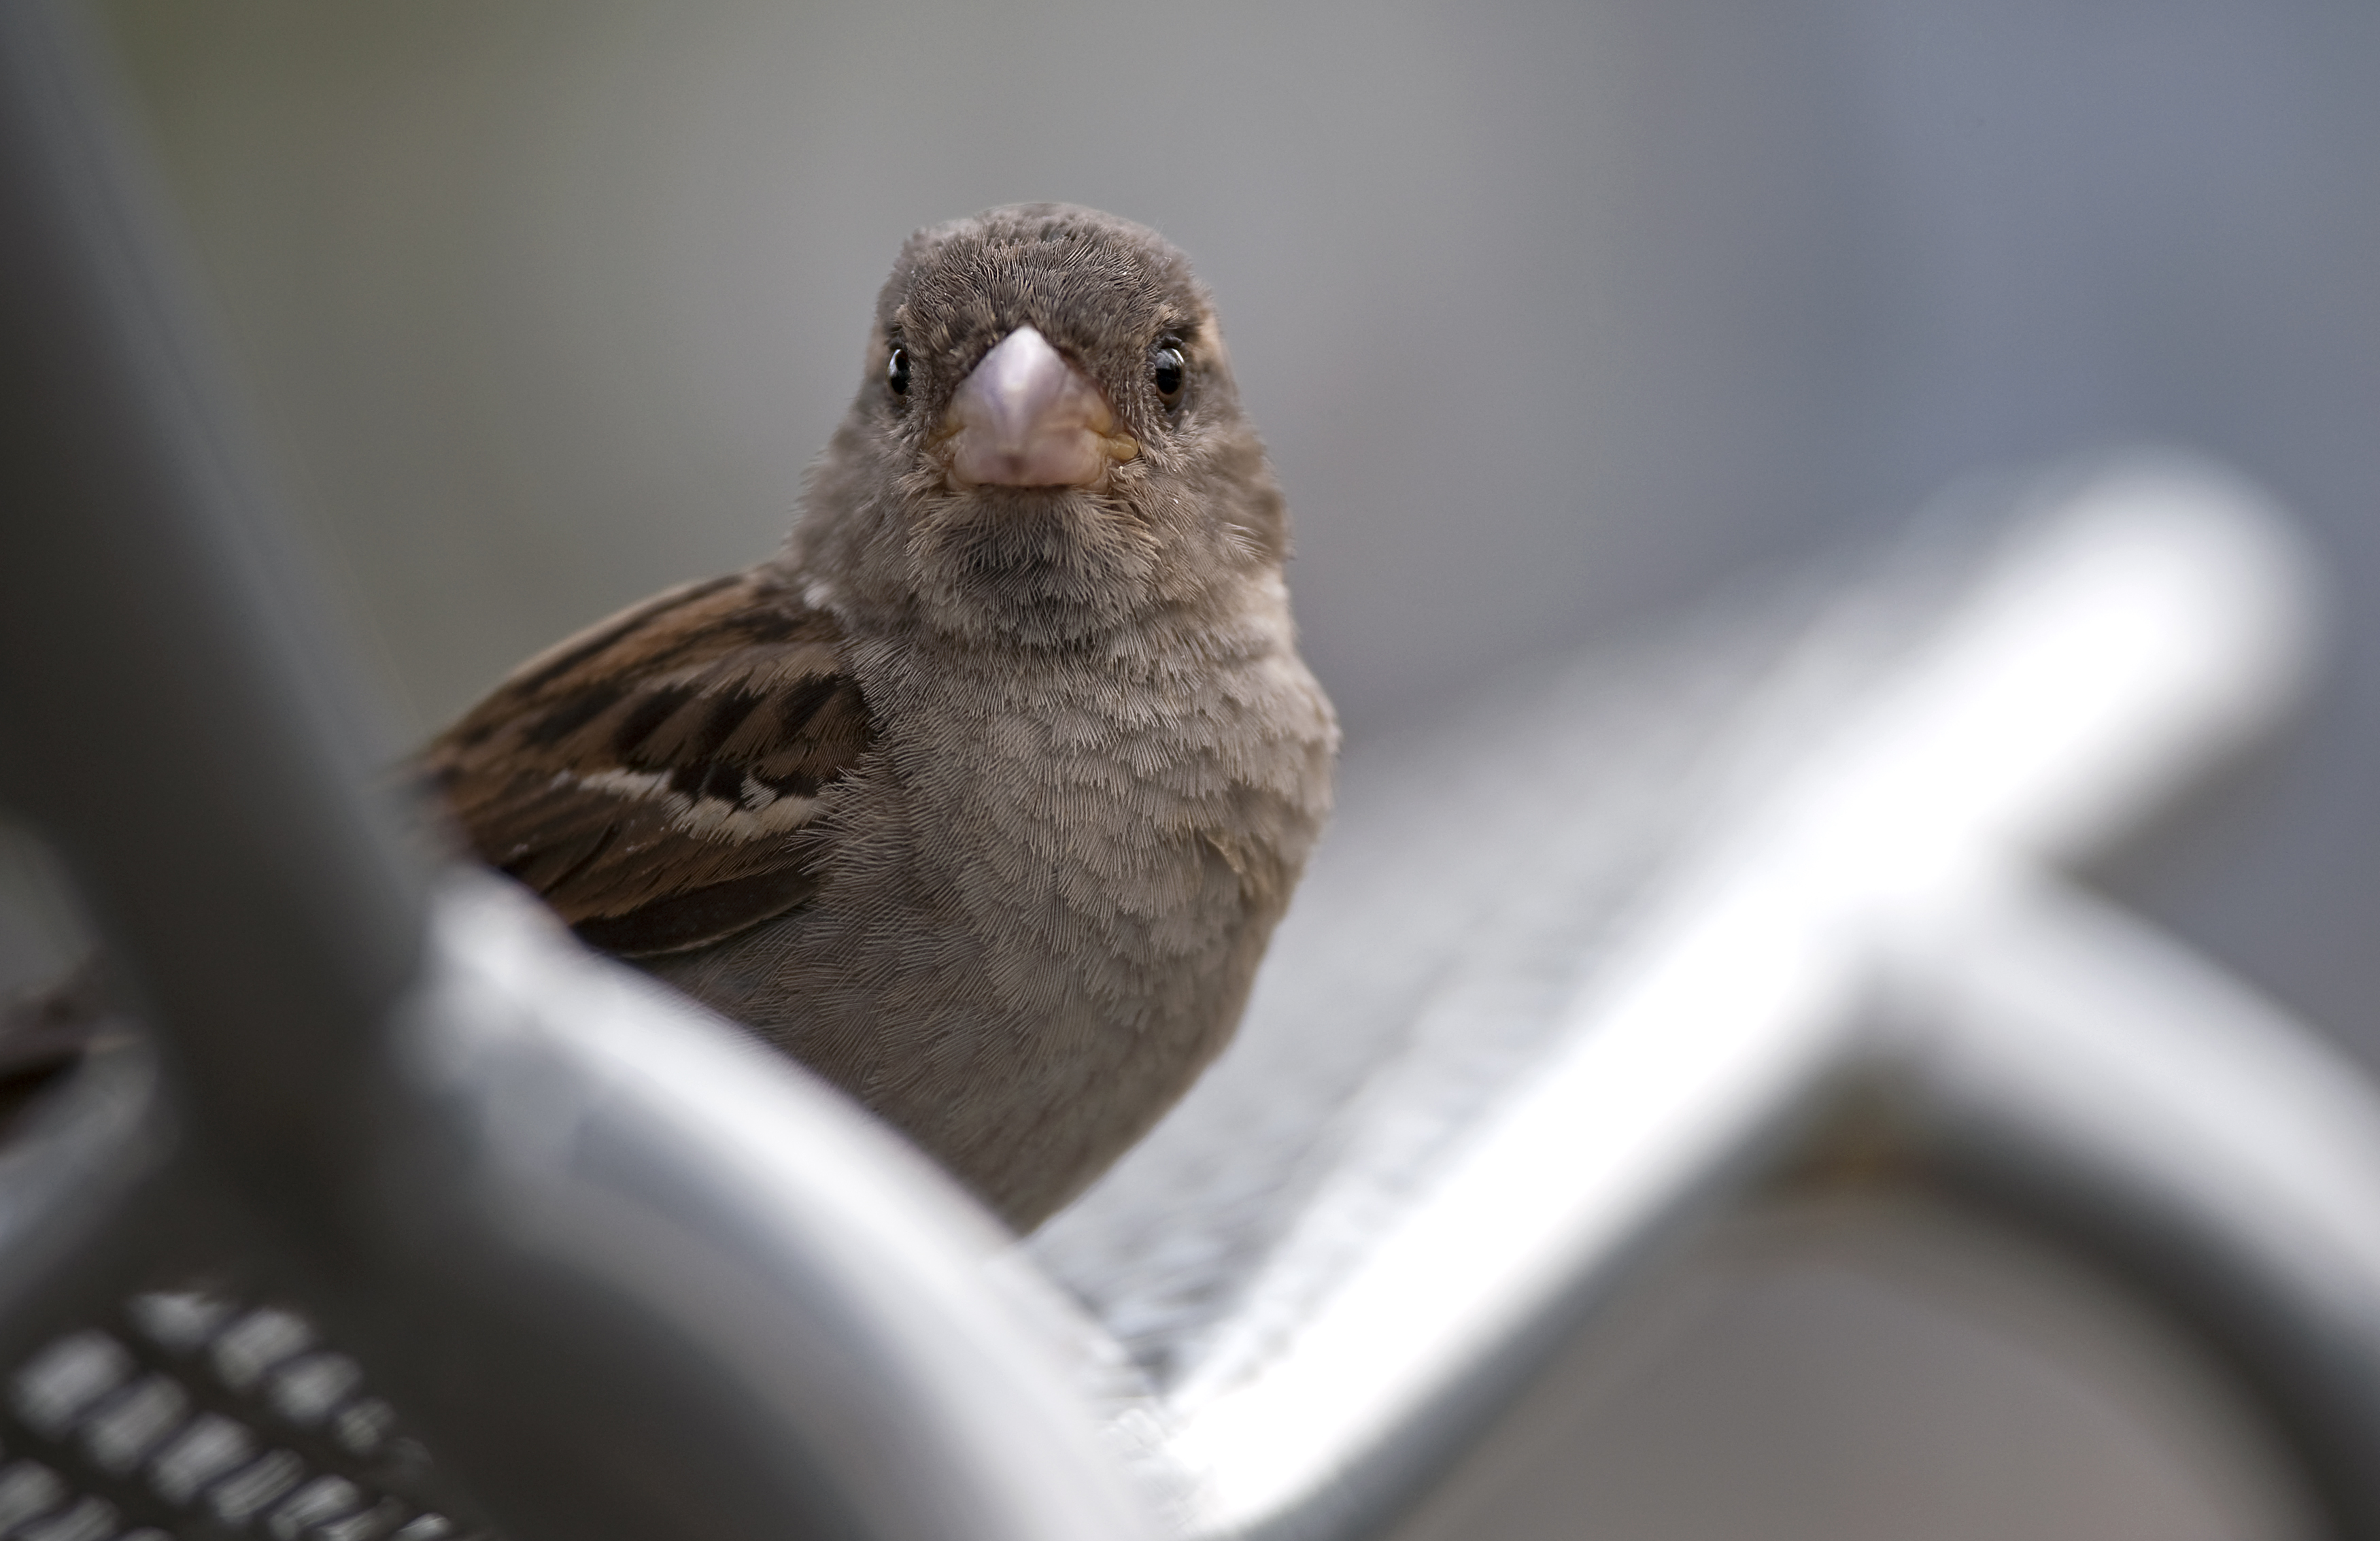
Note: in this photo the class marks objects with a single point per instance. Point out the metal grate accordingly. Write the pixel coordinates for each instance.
(198, 1416)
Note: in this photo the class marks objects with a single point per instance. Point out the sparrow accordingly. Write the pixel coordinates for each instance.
(982, 795)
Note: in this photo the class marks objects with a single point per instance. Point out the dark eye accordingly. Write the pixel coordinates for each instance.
(896, 371)
(1166, 369)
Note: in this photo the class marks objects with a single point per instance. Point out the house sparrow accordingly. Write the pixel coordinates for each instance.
(982, 796)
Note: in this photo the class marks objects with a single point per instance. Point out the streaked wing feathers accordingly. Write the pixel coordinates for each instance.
(654, 777)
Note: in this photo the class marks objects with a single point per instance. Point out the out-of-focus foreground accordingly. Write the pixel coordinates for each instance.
(1606, 327)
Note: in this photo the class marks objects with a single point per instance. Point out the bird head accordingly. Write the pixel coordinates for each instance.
(1047, 444)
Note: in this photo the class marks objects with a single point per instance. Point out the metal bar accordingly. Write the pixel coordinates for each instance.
(2062, 1063)
(653, 1242)
(165, 724)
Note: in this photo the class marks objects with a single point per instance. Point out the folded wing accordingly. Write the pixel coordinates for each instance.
(656, 777)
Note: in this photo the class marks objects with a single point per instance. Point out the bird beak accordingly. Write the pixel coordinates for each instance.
(1025, 417)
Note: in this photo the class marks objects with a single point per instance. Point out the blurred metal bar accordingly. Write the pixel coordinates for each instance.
(635, 1277)
(161, 697)
(2140, 623)
(654, 1243)
(2063, 1064)
(161, 723)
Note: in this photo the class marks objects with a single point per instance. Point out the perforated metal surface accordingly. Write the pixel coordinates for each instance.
(199, 1415)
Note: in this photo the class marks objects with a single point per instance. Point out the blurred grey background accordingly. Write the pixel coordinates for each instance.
(1557, 316)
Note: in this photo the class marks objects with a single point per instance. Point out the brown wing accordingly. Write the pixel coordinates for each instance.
(654, 777)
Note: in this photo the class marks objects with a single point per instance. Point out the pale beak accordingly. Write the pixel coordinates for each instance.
(1025, 417)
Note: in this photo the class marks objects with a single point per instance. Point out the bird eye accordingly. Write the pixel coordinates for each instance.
(896, 371)
(1166, 369)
